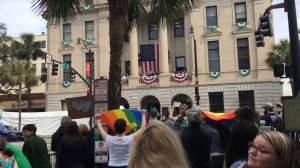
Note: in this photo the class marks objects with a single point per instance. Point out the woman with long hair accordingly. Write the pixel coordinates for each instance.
(158, 147)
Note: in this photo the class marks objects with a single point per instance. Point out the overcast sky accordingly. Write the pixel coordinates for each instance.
(19, 17)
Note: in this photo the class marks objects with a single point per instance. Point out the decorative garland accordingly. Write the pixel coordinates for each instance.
(241, 25)
(123, 79)
(89, 40)
(66, 43)
(180, 77)
(66, 84)
(87, 7)
(244, 72)
(148, 79)
(212, 27)
(214, 74)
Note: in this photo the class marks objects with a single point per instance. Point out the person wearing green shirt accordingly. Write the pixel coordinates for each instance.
(35, 148)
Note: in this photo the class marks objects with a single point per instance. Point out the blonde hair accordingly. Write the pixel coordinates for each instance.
(83, 128)
(285, 148)
(158, 147)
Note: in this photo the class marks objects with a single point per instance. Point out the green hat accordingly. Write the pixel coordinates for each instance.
(153, 112)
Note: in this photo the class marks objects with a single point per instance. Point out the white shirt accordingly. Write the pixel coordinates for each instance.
(119, 149)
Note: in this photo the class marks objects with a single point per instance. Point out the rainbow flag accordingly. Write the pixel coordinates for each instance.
(132, 117)
(211, 118)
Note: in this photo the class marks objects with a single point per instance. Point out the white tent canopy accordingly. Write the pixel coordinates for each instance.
(46, 122)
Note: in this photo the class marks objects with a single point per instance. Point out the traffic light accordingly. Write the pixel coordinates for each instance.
(278, 70)
(72, 76)
(54, 69)
(266, 26)
(288, 70)
(259, 37)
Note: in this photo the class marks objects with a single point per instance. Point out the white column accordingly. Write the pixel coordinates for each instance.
(133, 52)
(163, 48)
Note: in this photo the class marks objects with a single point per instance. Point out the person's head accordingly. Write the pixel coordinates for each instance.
(28, 130)
(257, 118)
(158, 147)
(3, 148)
(273, 149)
(268, 107)
(153, 112)
(72, 128)
(245, 113)
(120, 126)
(242, 133)
(83, 128)
(194, 116)
(65, 120)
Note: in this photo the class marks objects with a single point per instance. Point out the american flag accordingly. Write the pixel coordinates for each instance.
(149, 58)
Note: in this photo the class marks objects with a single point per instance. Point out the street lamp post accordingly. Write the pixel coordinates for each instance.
(197, 97)
(79, 40)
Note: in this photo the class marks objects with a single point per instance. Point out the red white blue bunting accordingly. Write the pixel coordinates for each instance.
(149, 79)
(180, 77)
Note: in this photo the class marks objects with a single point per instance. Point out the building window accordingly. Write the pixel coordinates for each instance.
(179, 28)
(240, 12)
(211, 16)
(89, 29)
(67, 72)
(153, 31)
(67, 32)
(216, 101)
(127, 68)
(180, 63)
(43, 67)
(213, 56)
(246, 98)
(127, 37)
(43, 44)
(90, 59)
(243, 53)
(34, 67)
(64, 105)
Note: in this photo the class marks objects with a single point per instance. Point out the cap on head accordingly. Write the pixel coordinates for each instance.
(268, 105)
(193, 114)
(153, 112)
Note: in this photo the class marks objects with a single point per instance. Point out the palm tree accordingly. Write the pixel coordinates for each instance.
(125, 12)
(279, 53)
(15, 72)
(27, 50)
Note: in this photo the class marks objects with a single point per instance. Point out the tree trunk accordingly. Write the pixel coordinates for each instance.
(29, 98)
(19, 104)
(117, 24)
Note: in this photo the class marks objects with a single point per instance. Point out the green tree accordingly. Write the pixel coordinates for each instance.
(279, 53)
(28, 50)
(126, 13)
(15, 72)
(4, 48)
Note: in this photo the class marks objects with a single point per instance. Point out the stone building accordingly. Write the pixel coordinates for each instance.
(231, 69)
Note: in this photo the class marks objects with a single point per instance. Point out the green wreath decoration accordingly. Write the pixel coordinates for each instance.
(244, 72)
(214, 74)
(66, 84)
(241, 25)
(66, 43)
(87, 7)
(89, 40)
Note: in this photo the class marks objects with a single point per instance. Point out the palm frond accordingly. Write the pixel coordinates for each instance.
(55, 10)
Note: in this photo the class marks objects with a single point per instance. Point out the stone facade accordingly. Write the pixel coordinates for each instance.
(233, 79)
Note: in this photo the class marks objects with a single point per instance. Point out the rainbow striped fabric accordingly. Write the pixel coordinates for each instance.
(132, 117)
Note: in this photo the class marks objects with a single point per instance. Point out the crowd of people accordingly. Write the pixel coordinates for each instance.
(167, 141)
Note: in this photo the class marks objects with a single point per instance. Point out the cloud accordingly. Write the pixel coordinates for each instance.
(19, 18)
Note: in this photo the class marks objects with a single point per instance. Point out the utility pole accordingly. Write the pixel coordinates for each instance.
(79, 40)
(196, 85)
